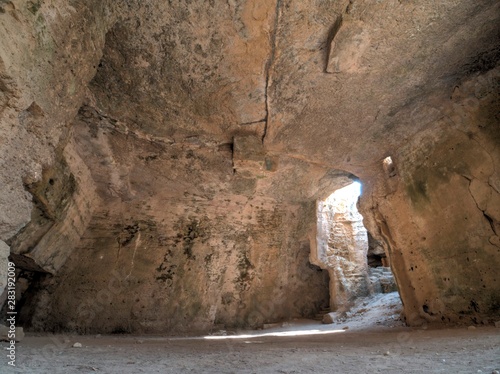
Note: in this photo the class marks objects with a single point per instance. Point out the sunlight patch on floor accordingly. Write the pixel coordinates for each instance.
(278, 333)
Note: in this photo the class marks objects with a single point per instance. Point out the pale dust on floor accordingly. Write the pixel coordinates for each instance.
(371, 340)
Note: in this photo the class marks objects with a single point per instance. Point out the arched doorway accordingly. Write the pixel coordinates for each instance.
(356, 262)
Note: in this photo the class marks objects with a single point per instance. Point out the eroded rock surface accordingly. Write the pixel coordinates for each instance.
(441, 231)
(160, 162)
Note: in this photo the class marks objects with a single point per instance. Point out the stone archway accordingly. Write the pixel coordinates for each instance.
(356, 262)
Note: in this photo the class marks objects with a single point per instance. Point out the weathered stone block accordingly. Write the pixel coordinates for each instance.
(347, 48)
(5, 331)
(248, 154)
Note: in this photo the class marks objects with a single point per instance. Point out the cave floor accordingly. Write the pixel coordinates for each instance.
(325, 349)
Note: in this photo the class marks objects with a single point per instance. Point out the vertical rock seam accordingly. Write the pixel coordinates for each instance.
(269, 65)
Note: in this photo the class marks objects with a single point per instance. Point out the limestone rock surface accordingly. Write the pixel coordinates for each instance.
(161, 162)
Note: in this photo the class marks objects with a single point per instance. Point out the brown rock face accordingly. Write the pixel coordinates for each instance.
(161, 162)
(439, 215)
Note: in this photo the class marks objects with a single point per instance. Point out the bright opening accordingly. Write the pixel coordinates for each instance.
(349, 194)
(389, 167)
(356, 262)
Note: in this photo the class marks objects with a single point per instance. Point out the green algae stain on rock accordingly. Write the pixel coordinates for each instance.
(34, 6)
(417, 191)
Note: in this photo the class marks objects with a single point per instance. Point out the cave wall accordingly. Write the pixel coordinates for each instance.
(437, 210)
(181, 243)
(48, 55)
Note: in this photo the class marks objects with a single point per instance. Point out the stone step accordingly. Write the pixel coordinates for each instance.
(319, 316)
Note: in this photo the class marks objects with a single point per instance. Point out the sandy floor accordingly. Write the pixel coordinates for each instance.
(382, 345)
